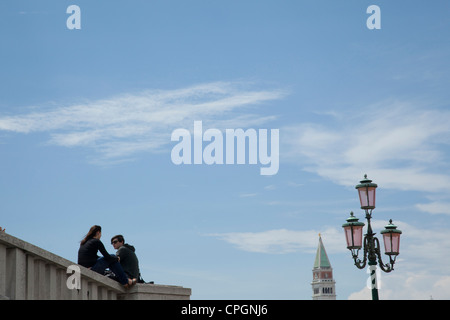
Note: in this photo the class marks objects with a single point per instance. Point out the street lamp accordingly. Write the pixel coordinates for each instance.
(353, 232)
(366, 190)
(391, 238)
(369, 243)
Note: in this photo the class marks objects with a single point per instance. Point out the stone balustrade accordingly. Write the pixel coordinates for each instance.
(28, 272)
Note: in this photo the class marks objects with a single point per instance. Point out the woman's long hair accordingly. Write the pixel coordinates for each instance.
(92, 231)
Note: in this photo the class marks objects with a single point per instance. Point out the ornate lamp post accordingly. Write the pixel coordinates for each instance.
(371, 246)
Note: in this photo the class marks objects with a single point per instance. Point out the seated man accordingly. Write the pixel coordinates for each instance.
(127, 257)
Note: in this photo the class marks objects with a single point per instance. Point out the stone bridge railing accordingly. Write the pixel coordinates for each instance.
(28, 272)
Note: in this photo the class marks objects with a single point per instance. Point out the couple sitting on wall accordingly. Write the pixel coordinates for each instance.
(124, 265)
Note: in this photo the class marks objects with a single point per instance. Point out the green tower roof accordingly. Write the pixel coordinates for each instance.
(322, 260)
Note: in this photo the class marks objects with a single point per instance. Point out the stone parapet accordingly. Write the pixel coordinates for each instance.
(28, 272)
(156, 292)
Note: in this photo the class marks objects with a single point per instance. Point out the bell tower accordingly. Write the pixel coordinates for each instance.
(323, 284)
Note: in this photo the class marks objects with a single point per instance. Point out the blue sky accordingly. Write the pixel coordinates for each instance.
(86, 118)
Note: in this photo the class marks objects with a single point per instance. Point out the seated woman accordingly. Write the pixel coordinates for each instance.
(87, 257)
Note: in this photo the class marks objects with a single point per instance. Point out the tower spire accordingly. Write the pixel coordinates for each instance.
(322, 260)
(323, 284)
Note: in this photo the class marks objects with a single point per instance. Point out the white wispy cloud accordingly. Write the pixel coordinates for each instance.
(281, 241)
(435, 207)
(123, 125)
(401, 144)
(419, 285)
(247, 195)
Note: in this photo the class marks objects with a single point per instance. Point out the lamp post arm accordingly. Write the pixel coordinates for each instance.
(385, 267)
(358, 263)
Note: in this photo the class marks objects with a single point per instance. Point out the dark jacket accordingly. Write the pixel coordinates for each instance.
(129, 260)
(87, 254)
